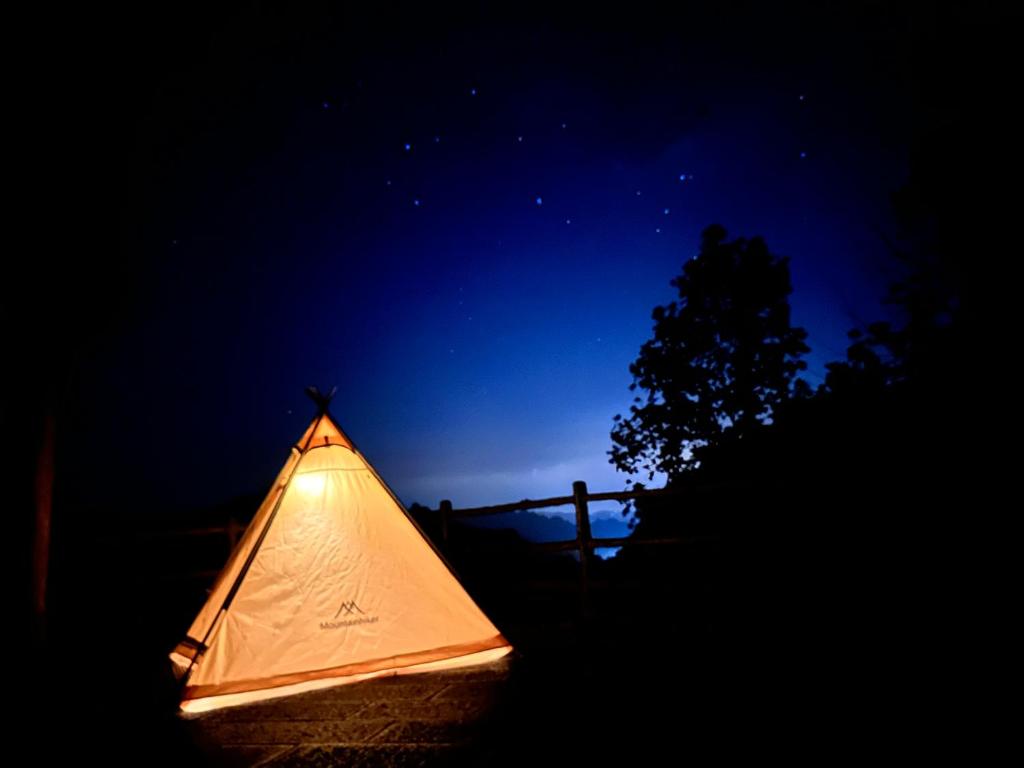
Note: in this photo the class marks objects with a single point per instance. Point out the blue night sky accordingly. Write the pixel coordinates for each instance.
(465, 227)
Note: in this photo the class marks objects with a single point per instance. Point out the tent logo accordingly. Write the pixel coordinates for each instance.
(348, 607)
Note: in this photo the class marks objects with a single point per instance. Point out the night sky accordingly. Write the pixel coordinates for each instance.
(462, 220)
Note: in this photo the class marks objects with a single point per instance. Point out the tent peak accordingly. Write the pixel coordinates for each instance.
(322, 400)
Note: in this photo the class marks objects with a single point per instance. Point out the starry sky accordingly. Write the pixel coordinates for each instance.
(462, 220)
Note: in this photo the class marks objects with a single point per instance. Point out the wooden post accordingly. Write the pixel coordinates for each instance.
(579, 496)
(43, 515)
(446, 513)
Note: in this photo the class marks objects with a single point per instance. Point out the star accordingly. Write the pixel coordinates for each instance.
(472, 91)
(563, 125)
(801, 97)
(658, 230)
(540, 201)
(665, 211)
(568, 221)
(416, 202)
(408, 147)
(682, 177)
(520, 139)
(638, 193)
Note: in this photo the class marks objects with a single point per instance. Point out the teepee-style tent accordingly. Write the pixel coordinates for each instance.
(331, 583)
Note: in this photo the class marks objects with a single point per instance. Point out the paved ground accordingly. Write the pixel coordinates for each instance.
(559, 699)
(563, 700)
(425, 719)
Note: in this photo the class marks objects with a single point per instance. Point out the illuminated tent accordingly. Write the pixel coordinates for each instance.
(331, 583)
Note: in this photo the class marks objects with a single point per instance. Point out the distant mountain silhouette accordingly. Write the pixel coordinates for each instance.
(536, 526)
(608, 524)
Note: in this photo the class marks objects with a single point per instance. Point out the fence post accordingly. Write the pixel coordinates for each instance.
(446, 513)
(579, 497)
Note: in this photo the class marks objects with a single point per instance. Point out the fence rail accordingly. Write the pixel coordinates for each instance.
(232, 529)
(584, 543)
(580, 499)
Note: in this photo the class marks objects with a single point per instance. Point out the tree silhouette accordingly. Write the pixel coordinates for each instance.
(723, 356)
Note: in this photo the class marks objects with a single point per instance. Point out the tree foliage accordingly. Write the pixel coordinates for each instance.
(723, 356)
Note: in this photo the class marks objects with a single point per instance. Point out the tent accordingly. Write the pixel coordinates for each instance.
(332, 582)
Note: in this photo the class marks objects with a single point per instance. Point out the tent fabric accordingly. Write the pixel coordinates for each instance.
(332, 581)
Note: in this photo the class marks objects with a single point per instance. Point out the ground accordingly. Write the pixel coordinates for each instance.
(424, 719)
(580, 699)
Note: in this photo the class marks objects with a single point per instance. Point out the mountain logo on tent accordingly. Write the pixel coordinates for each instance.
(349, 607)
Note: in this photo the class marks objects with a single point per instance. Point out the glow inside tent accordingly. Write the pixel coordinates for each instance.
(331, 583)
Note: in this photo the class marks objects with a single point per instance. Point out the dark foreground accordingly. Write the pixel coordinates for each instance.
(564, 699)
(585, 701)
(733, 655)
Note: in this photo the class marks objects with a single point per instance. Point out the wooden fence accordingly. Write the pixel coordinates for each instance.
(584, 544)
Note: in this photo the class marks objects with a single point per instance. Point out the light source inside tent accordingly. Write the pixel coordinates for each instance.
(309, 483)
